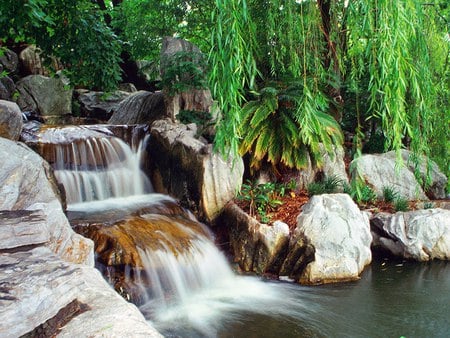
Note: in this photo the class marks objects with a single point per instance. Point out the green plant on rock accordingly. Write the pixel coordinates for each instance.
(401, 204)
(263, 198)
(184, 71)
(390, 194)
(329, 185)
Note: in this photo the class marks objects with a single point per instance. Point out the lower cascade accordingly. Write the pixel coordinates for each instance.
(157, 255)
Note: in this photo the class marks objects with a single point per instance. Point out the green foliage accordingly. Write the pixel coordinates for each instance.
(184, 71)
(329, 185)
(264, 198)
(193, 116)
(74, 32)
(143, 23)
(282, 126)
(390, 194)
(233, 69)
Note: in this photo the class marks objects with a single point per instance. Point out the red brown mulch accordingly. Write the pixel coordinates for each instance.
(292, 203)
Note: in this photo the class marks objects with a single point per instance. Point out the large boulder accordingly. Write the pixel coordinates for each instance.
(48, 96)
(32, 62)
(382, 170)
(421, 234)
(139, 107)
(331, 242)
(44, 296)
(8, 61)
(100, 105)
(27, 183)
(256, 247)
(10, 120)
(7, 88)
(187, 168)
(190, 99)
(438, 181)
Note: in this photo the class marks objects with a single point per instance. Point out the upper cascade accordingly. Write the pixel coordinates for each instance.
(93, 164)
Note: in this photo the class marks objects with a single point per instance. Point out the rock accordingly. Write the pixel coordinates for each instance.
(331, 242)
(32, 62)
(8, 61)
(127, 87)
(99, 105)
(11, 123)
(27, 183)
(48, 96)
(381, 170)
(36, 285)
(256, 247)
(333, 166)
(22, 228)
(7, 88)
(139, 107)
(188, 169)
(192, 99)
(438, 182)
(421, 235)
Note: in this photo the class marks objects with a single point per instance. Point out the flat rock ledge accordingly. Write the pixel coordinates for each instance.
(36, 286)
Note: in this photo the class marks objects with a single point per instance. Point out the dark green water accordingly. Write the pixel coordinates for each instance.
(392, 299)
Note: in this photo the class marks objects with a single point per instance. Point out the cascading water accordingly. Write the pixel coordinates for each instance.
(95, 166)
(184, 284)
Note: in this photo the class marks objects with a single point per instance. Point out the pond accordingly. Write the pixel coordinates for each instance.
(392, 299)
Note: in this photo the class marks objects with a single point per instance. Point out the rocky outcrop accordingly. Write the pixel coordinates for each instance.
(187, 168)
(140, 107)
(99, 105)
(438, 181)
(331, 242)
(36, 288)
(382, 170)
(48, 96)
(191, 99)
(10, 120)
(27, 183)
(256, 247)
(420, 235)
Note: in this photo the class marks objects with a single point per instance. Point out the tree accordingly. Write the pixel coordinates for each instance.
(372, 59)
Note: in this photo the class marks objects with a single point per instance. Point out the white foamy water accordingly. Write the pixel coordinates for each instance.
(100, 168)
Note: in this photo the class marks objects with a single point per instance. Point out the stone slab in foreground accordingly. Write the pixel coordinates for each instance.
(35, 285)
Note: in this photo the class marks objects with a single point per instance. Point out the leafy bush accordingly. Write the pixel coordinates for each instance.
(263, 198)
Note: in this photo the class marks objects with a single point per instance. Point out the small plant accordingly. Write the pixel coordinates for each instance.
(329, 185)
(366, 195)
(263, 198)
(428, 205)
(390, 194)
(401, 204)
(193, 116)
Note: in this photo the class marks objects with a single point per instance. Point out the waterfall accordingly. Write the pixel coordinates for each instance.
(92, 164)
(150, 249)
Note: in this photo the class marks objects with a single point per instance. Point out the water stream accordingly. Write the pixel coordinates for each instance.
(188, 286)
